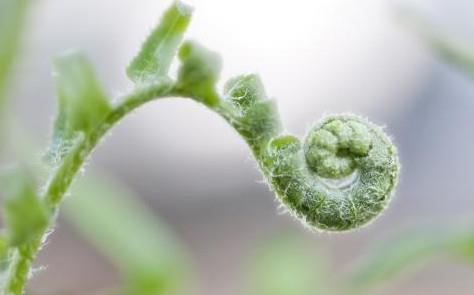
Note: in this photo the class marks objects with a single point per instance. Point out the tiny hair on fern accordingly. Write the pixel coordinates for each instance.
(340, 178)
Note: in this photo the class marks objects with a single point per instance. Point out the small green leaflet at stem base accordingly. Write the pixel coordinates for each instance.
(82, 102)
(25, 215)
(199, 73)
(255, 116)
(244, 91)
(157, 53)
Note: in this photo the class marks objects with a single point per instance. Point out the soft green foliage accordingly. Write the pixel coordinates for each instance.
(329, 203)
(3, 247)
(81, 101)
(456, 51)
(25, 215)
(310, 178)
(408, 251)
(27, 219)
(12, 14)
(199, 73)
(157, 53)
(290, 266)
(147, 254)
(313, 195)
(287, 266)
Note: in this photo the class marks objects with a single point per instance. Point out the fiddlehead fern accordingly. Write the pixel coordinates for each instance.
(340, 178)
(309, 178)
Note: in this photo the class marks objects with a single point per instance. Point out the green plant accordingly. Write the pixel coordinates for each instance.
(408, 251)
(148, 256)
(12, 14)
(287, 265)
(341, 178)
(412, 249)
(290, 266)
(449, 47)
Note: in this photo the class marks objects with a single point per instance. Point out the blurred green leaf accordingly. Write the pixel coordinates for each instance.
(465, 247)
(199, 72)
(409, 251)
(25, 214)
(127, 232)
(454, 50)
(159, 49)
(12, 14)
(288, 266)
(82, 102)
(3, 248)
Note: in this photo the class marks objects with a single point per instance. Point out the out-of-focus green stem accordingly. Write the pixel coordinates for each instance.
(12, 18)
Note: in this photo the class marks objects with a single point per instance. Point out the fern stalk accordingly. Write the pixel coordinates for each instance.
(340, 178)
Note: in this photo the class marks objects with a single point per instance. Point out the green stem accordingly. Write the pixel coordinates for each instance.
(65, 173)
(340, 178)
(23, 257)
(336, 147)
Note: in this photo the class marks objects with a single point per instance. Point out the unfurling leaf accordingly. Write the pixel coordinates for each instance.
(25, 214)
(82, 102)
(199, 72)
(257, 115)
(244, 91)
(158, 51)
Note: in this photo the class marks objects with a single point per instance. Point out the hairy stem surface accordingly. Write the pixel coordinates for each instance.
(341, 177)
(62, 177)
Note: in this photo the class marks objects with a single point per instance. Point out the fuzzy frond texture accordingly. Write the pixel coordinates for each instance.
(341, 178)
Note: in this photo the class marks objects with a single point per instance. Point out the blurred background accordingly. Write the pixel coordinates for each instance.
(188, 166)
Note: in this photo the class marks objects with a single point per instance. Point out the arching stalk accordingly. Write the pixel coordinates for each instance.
(340, 178)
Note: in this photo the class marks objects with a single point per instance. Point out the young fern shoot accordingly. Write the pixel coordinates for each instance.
(341, 177)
